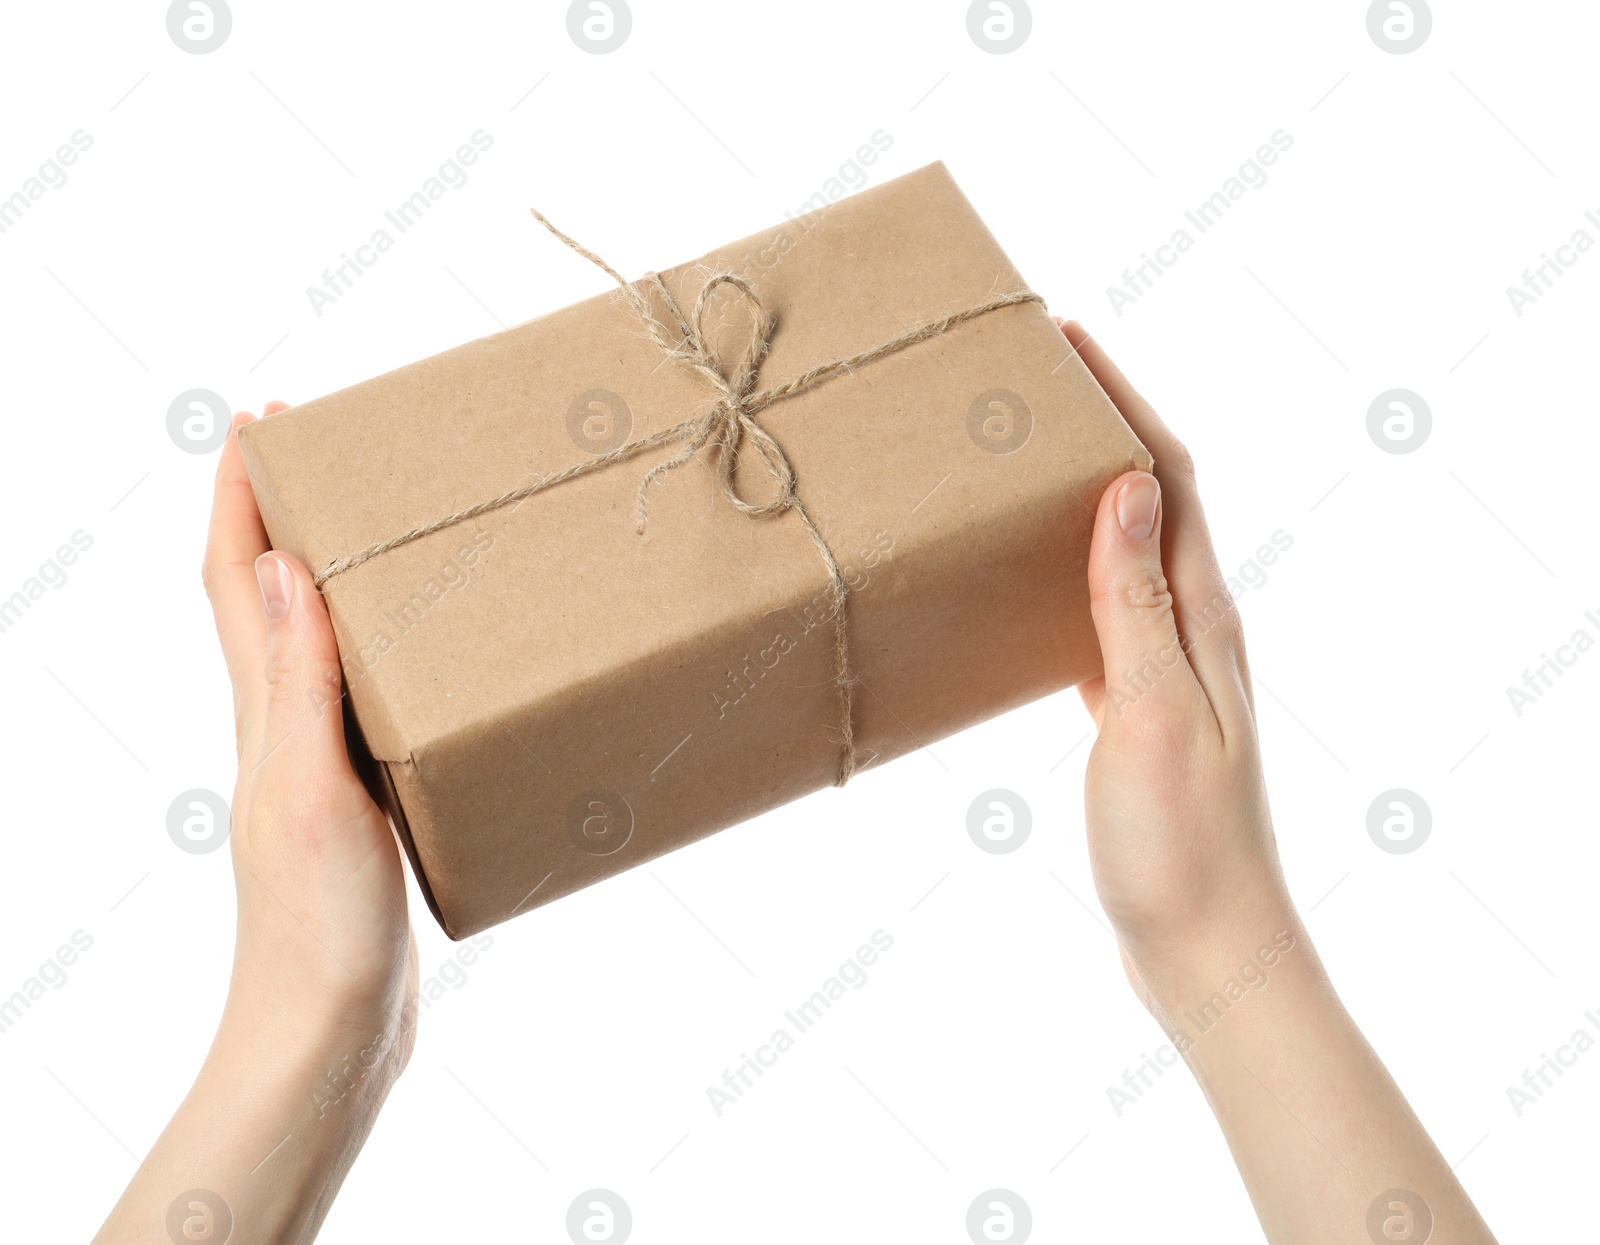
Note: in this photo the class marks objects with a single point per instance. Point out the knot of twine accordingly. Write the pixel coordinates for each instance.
(724, 427)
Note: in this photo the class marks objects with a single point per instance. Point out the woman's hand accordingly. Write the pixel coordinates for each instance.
(323, 928)
(1186, 866)
(321, 1006)
(1180, 838)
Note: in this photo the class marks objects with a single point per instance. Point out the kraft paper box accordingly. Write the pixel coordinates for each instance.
(543, 696)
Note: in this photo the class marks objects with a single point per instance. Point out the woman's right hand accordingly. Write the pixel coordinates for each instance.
(1184, 859)
(1180, 837)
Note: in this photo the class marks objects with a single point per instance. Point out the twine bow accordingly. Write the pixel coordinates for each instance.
(729, 422)
(726, 425)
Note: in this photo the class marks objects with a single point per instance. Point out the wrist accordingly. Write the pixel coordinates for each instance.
(322, 1008)
(1235, 978)
(328, 1052)
(1190, 978)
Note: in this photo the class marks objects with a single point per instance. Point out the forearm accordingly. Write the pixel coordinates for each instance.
(273, 1123)
(1317, 1126)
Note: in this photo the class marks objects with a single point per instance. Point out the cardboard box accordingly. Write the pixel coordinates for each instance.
(544, 697)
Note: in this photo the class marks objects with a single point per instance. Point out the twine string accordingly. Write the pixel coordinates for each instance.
(725, 427)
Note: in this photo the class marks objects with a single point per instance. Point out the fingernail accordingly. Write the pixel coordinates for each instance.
(277, 585)
(1137, 507)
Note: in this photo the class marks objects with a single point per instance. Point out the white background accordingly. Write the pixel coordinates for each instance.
(1418, 587)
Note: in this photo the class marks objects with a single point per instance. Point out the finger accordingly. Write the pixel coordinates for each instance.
(1207, 617)
(274, 407)
(235, 540)
(303, 743)
(1147, 673)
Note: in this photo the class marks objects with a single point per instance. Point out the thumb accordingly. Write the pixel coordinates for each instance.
(1146, 667)
(304, 735)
